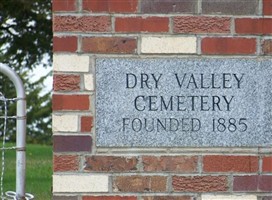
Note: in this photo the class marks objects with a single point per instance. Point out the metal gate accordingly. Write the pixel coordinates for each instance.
(20, 135)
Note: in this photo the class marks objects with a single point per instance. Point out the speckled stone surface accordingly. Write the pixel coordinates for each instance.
(188, 102)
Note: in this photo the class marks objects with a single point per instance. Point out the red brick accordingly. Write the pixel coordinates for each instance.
(111, 6)
(169, 6)
(82, 143)
(140, 24)
(265, 183)
(66, 82)
(65, 44)
(253, 26)
(86, 123)
(245, 183)
(170, 163)
(70, 102)
(267, 164)
(111, 164)
(140, 183)
(267, 7)
(194, 24)
(267, 47)
(64, 5)
(66, 163)
(65, 198)
(109, 45)
(81, 24)
(200, 183)
(109, 198)
(228, 46)
(220, 163)
(168, 198)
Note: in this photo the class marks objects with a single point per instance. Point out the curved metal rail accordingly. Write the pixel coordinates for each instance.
(20, 130)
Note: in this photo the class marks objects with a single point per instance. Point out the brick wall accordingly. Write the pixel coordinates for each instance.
(87, 29)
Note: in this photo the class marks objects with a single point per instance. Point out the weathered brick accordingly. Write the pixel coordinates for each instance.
(168, 198)
(80, 183)
(65, 123)
(252, 183)
(195, 24)
(65, 44)
(63, 163)
(228, 46)
(72, 143)
(228, 197)
(88, 81)
(230, 7)
(109, 198)
(70, 102)
(64, 5)
(267, 7)
(170, 163)
(142, 24)
(111, 6)
(267, 47)
(71, 63)
(168, 45)
(86, 123)
(245, 183)
(169, 6)
(267, 198)
(140, 183)
(66, 82)
(111, 163)
(200, 183)
(258, 26)
(265, 183)
(267, 164)
(81, 24)
(218, 163)
(109, 45)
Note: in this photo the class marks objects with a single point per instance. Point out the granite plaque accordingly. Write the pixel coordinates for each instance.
(186, 102)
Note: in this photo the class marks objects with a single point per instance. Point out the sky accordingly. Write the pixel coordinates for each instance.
(37, 73)
(40, 71)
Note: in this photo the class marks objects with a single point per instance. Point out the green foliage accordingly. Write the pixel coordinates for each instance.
(38, 114)
(25, 43)
(25, 32)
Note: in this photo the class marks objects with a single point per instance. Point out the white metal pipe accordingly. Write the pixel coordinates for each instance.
(20, 131)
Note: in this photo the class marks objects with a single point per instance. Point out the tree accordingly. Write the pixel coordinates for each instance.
(25, 43)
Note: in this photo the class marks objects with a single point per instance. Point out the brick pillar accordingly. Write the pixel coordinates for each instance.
(88, 29)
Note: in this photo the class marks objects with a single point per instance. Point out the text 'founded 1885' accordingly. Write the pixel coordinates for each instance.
(183, 102)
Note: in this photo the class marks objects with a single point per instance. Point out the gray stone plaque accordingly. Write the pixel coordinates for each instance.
(186, 102)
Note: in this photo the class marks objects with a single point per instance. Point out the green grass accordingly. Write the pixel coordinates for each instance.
(38, 172)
